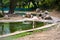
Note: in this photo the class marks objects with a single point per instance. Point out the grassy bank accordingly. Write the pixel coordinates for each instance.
(14, 37)
(20, 26)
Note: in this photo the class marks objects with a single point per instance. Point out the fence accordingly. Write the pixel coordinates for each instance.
(17, 32)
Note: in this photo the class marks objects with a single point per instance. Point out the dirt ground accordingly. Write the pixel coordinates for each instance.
(55, 14)
(17, 17)
(52, 34)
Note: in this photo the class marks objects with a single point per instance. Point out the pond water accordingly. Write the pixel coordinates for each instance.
(6, 28)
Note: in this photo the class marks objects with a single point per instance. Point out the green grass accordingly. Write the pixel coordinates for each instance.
(16, 26)
(39, 24)
(14, 37)
(20, 26)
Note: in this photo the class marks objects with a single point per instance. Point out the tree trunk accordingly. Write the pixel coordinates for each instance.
(2, 5)
(2, 9)
(12, 6)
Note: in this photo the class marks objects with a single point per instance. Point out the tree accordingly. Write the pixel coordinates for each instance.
(2, 5)
(12, 6)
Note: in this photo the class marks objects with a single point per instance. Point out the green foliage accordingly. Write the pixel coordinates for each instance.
(43, 4)
(1, 15)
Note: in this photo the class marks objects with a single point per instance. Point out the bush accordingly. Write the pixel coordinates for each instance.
(1, 15)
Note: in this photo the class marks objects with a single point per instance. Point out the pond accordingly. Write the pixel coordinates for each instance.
(6, 28)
